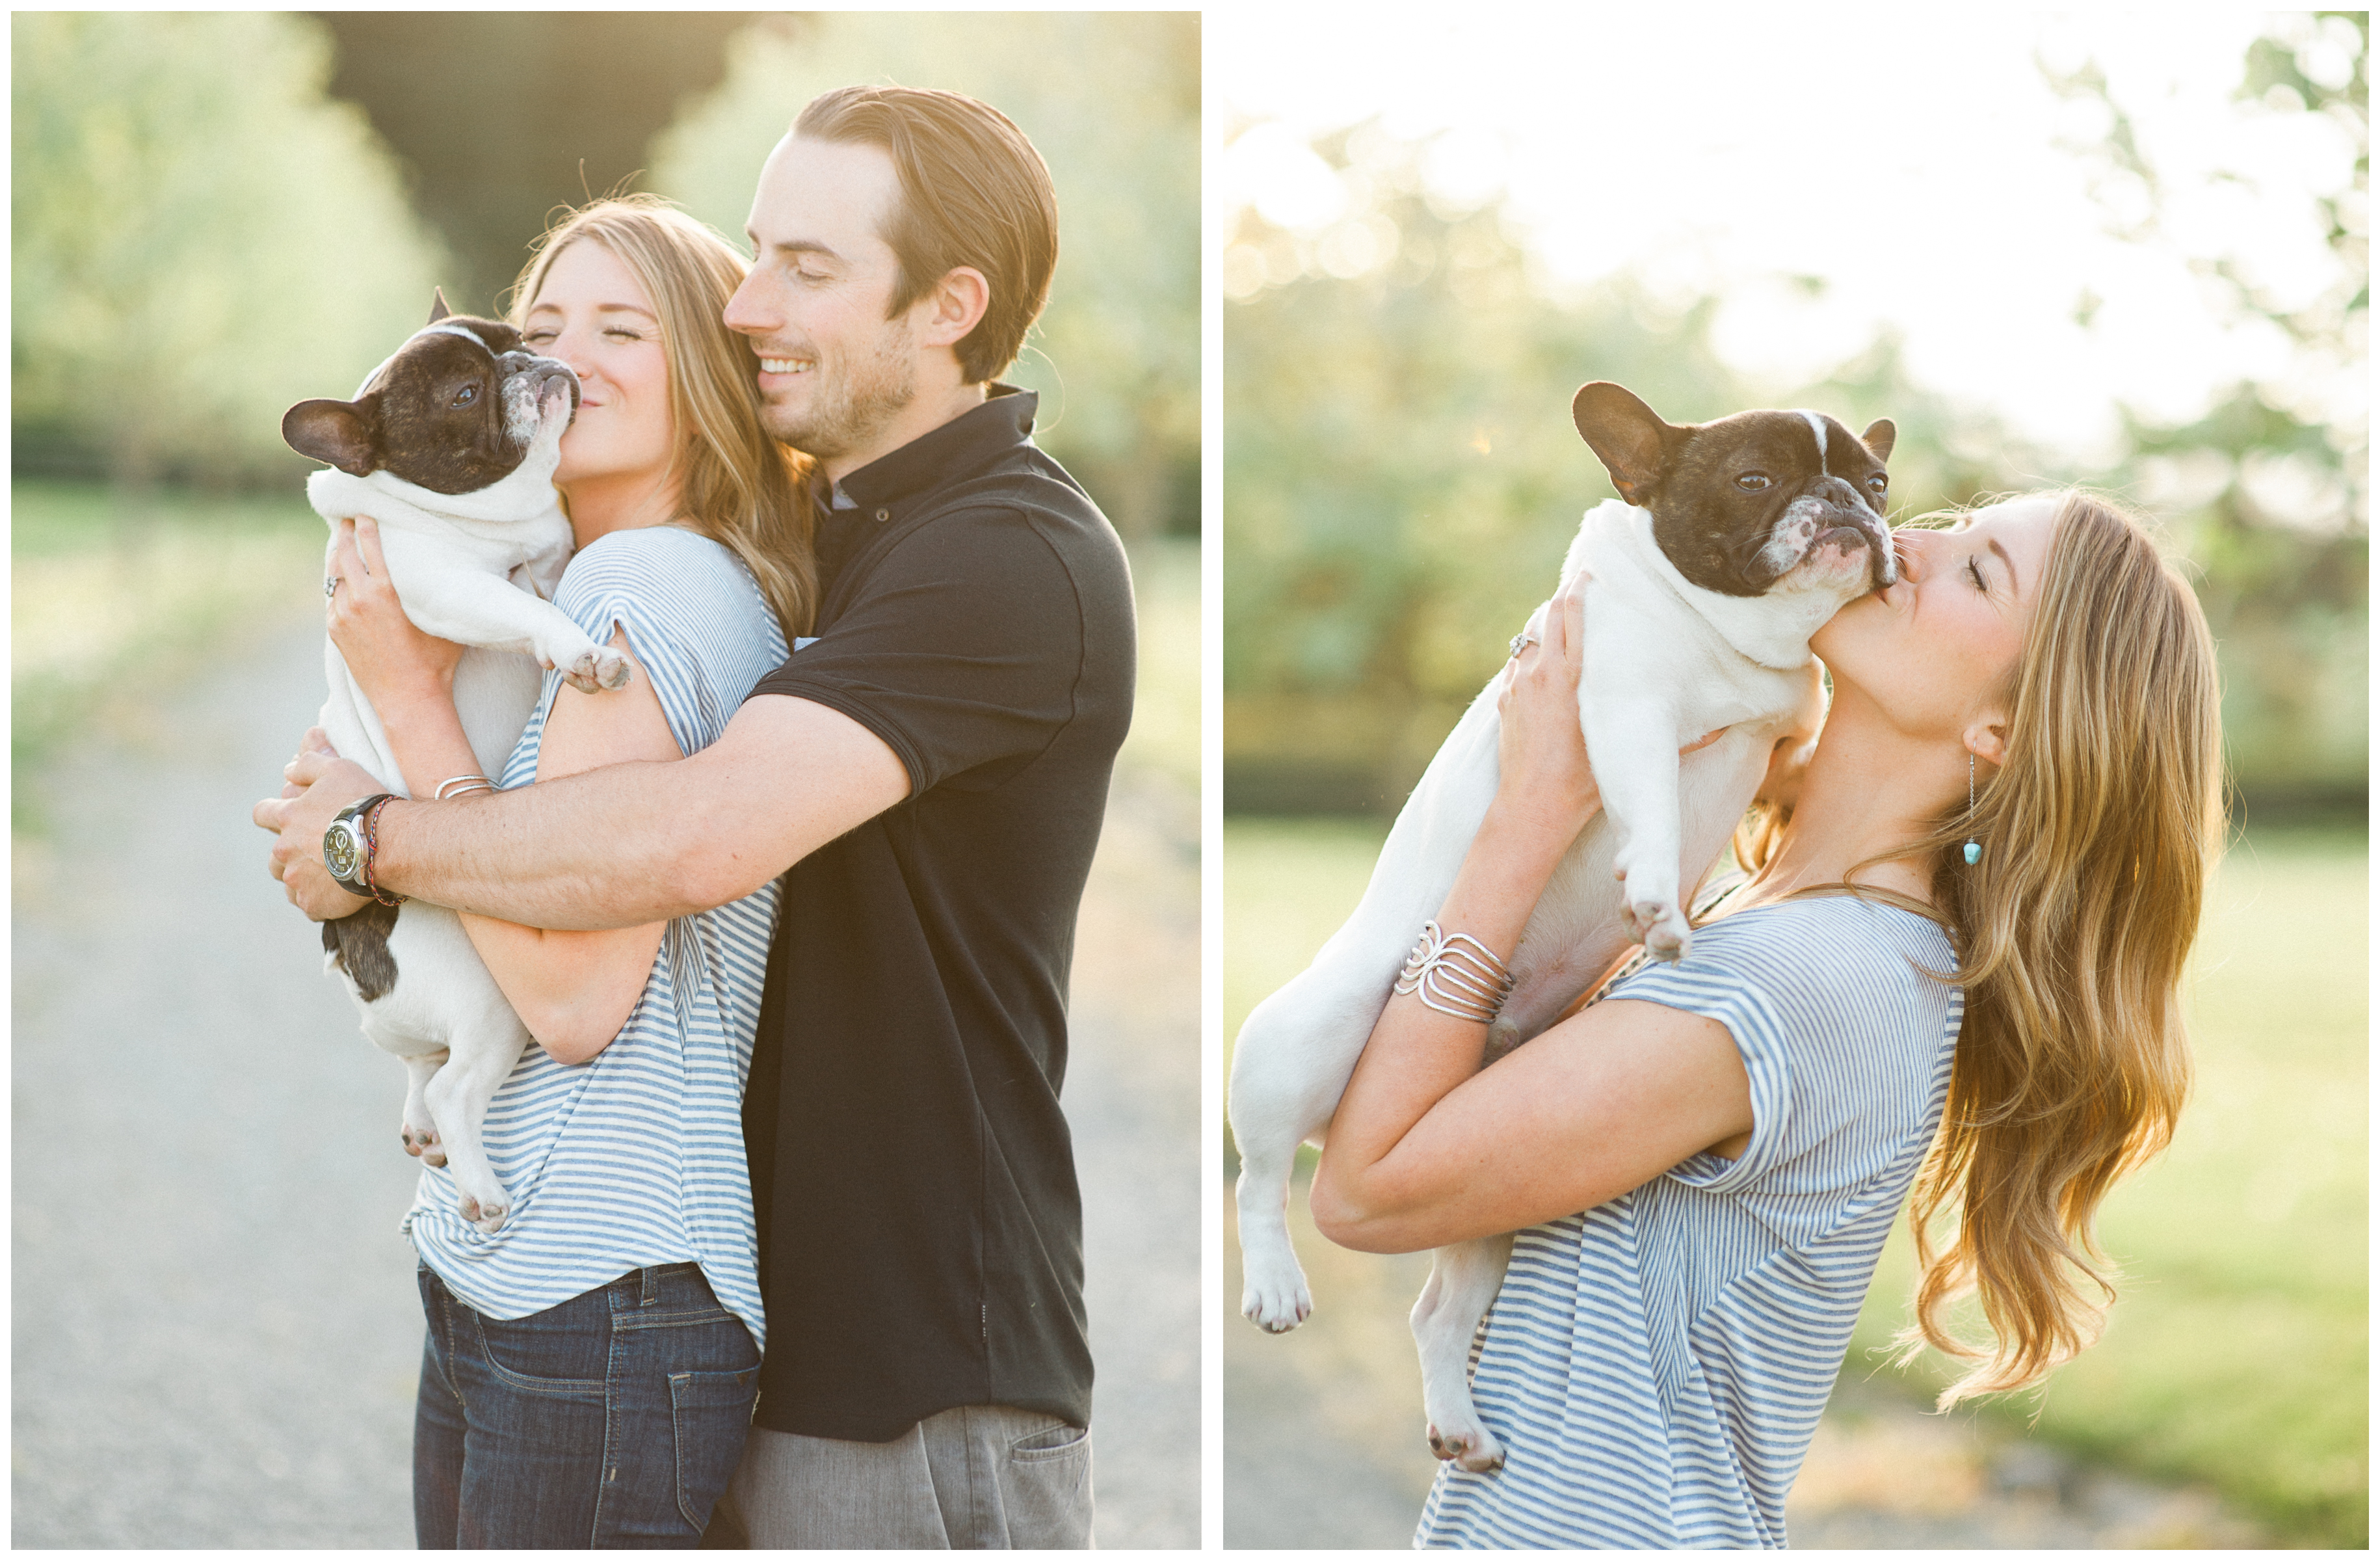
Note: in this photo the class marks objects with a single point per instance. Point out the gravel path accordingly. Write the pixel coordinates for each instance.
(216, 1332)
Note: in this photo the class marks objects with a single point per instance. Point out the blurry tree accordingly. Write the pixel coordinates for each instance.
(200, 239)
(500, 116)
(2269, 487)
(1403, 476)
(1112, 100)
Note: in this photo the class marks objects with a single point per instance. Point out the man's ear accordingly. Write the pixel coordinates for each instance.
(954, 307)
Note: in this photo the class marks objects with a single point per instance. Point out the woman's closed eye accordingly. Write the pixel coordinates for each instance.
(1976, 573)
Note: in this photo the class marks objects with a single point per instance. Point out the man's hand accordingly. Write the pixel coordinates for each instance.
(320, 784)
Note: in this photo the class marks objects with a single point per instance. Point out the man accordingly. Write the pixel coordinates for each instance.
(933, 771)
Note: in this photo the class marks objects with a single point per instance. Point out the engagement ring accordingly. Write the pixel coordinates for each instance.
(331, 588)
(1524, 637)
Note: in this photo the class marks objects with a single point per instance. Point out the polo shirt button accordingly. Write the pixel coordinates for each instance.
(882, 515)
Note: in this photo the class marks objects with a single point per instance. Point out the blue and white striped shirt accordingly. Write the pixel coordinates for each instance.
(636, 1157)
(1655, 1367)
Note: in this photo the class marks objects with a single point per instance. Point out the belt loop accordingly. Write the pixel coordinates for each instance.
(651, 1290)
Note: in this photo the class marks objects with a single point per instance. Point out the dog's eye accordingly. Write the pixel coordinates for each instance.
(1753, 482)
(1877, 483)
(465, 396)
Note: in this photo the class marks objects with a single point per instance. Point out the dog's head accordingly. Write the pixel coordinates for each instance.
(1751, 502)
(457, 409)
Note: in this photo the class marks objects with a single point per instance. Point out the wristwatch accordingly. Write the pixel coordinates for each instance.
(347, 848)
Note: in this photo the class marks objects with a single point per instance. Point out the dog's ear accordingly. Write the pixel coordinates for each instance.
(438, 309)
(1878, 438)
(1628, 436)
(501, 338)
(336, 432)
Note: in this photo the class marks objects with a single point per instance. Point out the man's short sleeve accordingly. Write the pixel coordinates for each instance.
(962, 649)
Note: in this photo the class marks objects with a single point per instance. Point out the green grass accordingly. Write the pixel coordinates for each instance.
(104, 591)
(2237, 1354)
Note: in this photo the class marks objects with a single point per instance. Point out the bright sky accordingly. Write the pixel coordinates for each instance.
(1907, 156)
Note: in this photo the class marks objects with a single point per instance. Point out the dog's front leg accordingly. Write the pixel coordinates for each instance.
(1463, 1280)
(453, 601)
(1633, 743)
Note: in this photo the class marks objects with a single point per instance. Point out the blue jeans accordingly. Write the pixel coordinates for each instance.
(613, 1421)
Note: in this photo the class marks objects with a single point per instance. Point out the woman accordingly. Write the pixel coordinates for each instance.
(1740, 1127)
(590, 1369)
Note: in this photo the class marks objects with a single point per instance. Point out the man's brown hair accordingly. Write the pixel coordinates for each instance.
(973, 193)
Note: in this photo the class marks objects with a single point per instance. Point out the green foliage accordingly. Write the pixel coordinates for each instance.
(1111, 102)
(109, 589)
(1402, 476)
(201, 239)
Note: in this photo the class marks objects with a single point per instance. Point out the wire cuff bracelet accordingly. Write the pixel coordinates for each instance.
(463, 786)
(1456, 974)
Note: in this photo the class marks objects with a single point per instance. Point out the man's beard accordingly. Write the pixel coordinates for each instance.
(845, 413)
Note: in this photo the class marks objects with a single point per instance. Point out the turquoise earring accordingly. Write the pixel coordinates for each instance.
(1973, 852)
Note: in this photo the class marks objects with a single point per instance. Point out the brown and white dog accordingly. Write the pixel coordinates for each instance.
(451, 446)
(1732, 542)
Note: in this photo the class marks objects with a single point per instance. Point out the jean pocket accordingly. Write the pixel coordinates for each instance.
(1045, 1489)
(711, 1414)
(544, 1352)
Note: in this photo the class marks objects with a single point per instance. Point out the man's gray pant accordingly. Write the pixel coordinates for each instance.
(978, 1478)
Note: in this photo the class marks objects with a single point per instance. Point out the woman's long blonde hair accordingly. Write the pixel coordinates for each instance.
(736, 485)
(2098, 834)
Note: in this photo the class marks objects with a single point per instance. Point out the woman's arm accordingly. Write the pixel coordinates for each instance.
(1427, 1149)
(573, 990)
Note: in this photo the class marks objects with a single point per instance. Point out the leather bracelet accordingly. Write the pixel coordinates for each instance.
(370, 822)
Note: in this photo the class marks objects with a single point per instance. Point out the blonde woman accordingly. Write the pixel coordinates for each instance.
(589, 1370)
(1983, 895)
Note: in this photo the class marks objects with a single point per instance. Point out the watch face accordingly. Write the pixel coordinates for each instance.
(342, 852)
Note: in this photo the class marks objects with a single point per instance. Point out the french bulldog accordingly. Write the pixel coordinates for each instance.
(1731, 543)
(451, 446)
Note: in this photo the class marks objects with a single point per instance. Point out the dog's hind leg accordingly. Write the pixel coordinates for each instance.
(419, 1129)
(1463, 1280)
(458, 1099)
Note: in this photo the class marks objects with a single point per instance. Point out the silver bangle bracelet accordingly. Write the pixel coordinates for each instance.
(463, 786)
(1456, 974)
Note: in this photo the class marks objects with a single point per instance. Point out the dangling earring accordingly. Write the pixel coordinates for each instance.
(1973, 852)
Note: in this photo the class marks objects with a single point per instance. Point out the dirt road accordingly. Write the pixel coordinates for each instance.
(216, 1332)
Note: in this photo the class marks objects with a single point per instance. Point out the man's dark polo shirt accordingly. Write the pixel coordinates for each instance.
(920, 1227)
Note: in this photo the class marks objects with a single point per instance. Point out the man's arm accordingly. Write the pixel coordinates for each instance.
(616, 846)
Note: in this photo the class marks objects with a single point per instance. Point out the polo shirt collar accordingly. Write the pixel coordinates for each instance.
(958, 449)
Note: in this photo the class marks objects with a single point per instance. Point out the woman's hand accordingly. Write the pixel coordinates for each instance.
(393, 661)
(1540, 752)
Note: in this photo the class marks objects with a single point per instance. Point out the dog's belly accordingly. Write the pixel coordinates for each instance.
(1580, 925)
(444, 995)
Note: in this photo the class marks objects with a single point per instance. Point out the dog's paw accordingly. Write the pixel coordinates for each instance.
(487, 1214)
(1668, 937)
(578, 670)
(423, 1143)
(1470, 1447)
(1276, 1307)
(611, 667)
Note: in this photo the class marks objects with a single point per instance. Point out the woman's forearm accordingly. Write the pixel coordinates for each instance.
(426, 738)
(574, 991)
(1417, 1055)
